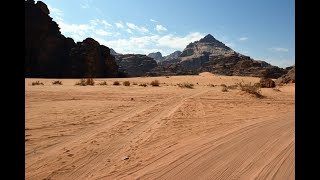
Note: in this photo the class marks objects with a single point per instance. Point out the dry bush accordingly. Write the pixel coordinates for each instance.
(155, 83)
(134, 83)
(37, 83)
(223, 85)
(224, 89)
(85, 82)
(251, 89)
(185, 85)
(104, 83)
(167, 76)
(143, 84)
(235, 86)
(212, 85)
(116, 83)
(57, 83)
(126, 83)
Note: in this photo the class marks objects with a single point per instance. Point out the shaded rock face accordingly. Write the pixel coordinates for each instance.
(49, 54)
(90, 59)
(211, 55)
(267, 83)
(113, 52)
(289, 77)
(134, 65)
(156, 56)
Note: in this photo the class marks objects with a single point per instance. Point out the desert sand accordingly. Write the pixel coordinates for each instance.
(166, 132)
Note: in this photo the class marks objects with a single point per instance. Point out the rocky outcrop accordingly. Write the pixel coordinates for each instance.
(211, 55)
(266, 83)
(135, 65)
(156, 56)
(49, 54)
(90, 59)
(113, 52)
(289, 77)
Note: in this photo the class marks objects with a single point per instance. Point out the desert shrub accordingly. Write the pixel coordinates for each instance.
(143, 84)
(57, 83)
(223, 85)
(224, 89)
(37, 83)
(85, 82)
(167, 76)
(134, 83)
(155, 83)
(235, 86)
(212, 85)
(126, 83)
(104, 83)
(185, 85)
(116, 83)
(251, 89)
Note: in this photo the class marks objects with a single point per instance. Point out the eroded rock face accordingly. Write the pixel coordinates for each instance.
(135, 65)
(209, 54)
(90, 59)
(49, 54)
(157, 56)
(289, 77)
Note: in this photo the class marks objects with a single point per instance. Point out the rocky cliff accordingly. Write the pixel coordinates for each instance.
(157, 56)
(290, 77)
(209, 54)
(49, 54)
(134, 65)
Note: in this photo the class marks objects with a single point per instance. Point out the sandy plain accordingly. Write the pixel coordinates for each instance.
(166, 132)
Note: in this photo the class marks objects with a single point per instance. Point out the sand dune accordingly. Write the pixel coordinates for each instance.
(166, 132)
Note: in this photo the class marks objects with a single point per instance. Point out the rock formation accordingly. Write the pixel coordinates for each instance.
(266, 83)
(209, 54)
(134, 65)
(49, 54)
(289, 77)
(156, 56)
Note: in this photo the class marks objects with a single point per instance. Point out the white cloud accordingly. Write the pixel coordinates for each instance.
(146, 44)
(243, 38)
(129, 31)
(160, 28)
(102, 32)
(106, 23)
(137, 28)
(279, 49)
(103, 22)
(152, 20)
(119, 25)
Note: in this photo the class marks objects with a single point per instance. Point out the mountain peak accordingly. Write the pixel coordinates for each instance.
(208, 38)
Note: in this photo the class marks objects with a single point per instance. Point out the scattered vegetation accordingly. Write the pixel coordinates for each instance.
(104, 83)
(155, 83)
(85, 82)
(116, 83)
(126, 83)
(167, 76)
(212, 85)
(57, 83)
(223, 85)
(235, 86)
(37, 83)
(143, 84)
(224, 89)
(251, 89)
(185, 85)
(134, 83)
(276, 89)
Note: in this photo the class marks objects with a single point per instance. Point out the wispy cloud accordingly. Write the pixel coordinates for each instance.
(279, 49)
(129, 31)
(102, 32)
(119, 25)
(152, 20)
(85, 4)
(243, 38)
(166, 44)
(160, 28)
(137, 28)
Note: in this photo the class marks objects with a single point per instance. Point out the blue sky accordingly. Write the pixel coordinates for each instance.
(262, 29)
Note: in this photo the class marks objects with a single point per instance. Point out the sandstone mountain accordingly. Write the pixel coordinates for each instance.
(134, 65)
(209, 54)
(289, 77)
(156, 56)
(49, 54)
